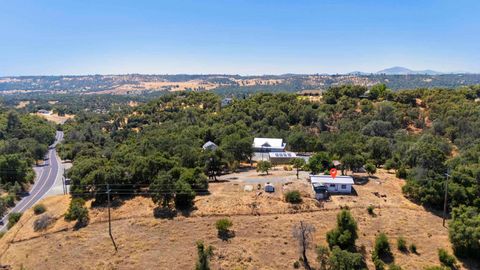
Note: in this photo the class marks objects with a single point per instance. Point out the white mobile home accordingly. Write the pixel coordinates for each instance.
(268, 145)
(339, 184)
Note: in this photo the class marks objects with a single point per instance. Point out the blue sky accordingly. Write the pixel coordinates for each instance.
(40, 37)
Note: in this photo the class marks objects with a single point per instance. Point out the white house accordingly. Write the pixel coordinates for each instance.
(268, 145)
(339, 184)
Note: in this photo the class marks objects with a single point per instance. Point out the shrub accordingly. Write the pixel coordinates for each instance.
(394, 267)
(77, 211)
(435, 268)
(13, 218)
(223, 227)
(370, 209)
(379, 264)
(39, 209)
(402, 244)
(370, 168)
(43, 222)
(204, 254)
(446, 259)
(401, 173)
(3, 207)
(382, 247)
(413, 248)
(296, 264)
(463, 231)
(10, 200)
(293, 196)
(342, 259)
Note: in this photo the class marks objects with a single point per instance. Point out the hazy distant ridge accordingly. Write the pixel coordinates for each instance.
(406, 71)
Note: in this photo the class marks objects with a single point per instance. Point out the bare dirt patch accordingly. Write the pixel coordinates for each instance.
(54, 117)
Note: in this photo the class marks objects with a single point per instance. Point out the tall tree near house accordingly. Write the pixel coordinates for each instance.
(298, 163)
(264, 166)
(303, 232)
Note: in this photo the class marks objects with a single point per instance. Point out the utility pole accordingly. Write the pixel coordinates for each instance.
(109, 219)
(445, 200)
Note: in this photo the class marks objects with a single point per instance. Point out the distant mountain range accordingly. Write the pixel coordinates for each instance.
(406, 71)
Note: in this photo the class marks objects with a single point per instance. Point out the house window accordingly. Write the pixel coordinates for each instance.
(344, 187)
(332, 185)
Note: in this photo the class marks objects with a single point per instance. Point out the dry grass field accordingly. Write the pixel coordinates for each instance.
(54, 117)
(263, 234)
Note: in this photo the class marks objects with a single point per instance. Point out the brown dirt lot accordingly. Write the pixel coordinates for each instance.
(262, 241)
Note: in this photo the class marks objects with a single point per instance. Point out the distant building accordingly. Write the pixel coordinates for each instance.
(281, 157)
(339, 184)
(43, 111)
(316, 92)
(226, 102)
(268, 145)
(209, 146)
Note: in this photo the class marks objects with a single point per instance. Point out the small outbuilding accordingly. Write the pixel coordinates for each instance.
(209, 146)
(269, 188)
(339, 184)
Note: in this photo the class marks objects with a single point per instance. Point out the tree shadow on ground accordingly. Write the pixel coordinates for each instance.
(361, 180)
(164, 212)
(226, 235)
(170, 213)
(470, 264)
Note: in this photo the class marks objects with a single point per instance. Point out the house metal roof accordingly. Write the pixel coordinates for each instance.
(268, 143)
(282, 155)
(327, 179)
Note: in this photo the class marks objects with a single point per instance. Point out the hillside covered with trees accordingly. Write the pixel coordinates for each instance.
(24, 139)
(156, 148)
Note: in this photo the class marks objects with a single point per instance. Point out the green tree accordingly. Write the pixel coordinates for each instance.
(345, 234)
(298, 164)
(370, 168)
(77, 211)
(319, 162)
(39, 152)
(323, 254)
(13, 121)
(464, 231)
(13, 168)
(353, 162)
(381, 249)
(380, 150)
(13, 218)
(342, 260)
(163, 189)
(264, 166)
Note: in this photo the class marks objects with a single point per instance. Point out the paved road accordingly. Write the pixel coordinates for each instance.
(44, 180)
